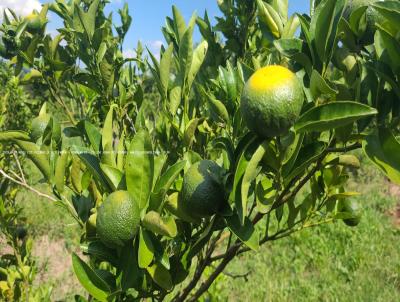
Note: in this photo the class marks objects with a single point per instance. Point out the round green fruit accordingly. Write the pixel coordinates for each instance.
(202, 193)
(351, 207)
(271, 101)
(34, 24)
(372, 18)
(118, 219)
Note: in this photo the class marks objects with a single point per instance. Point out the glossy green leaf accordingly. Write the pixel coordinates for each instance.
(307, 155)
(165, 226)
(289, 47)
(383, 149)
(59, 173)
(93, 135)
(92, 282)
(318, 86)
(246, 232)
(113, 175)
(140, 168)
(179, 23)
(160, 275)
(165, 66)
(218, 110)
(130, 274)
(324, 26)
(175, 98)
(290, 28)
(389, 49)
(189, 135)
(186, 52)
(7, 136)
(107, 137)
(332, 115)
(270, 18)
(164, 183)
(92, 163)
(146, 249)
(249, 175)
(199, 55)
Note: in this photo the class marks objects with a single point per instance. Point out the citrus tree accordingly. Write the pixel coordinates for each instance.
(175, 165)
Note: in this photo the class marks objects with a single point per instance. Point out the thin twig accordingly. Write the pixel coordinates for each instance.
(19, 166)
(27, 186)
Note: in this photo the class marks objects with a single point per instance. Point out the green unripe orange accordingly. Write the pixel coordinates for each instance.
(34, 23)
(271, 101)
(351, 207)
(118, 219)
(202, 193)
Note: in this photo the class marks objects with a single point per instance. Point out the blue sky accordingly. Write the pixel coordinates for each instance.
(148, 17)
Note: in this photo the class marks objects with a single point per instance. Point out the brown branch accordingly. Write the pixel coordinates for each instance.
(231, 253)
(201, 266)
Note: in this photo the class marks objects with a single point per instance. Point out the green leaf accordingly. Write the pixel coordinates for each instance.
(389, 50)
(107, 133)
(146, 249)
(218, 110)
(332, 115)
(270, 18)
(289, 47)
(175, 97)
(179, 23)
(93, 135)
(198, 58)
(92, 163)
(290, 27)
(190, 131)
(309, 154)
(383, 149)
(92, 282)
(186, 52)
(163, 185)
(113, 176)
(164, 226)
(7, 136)
(140, 168)
(390, 11)
(318, 86)
(130, 274)
(324, 25)
(249, 175)
(165, 66)
(246, 232)
(160, 275)
(59, 173)
(89, 19)
(39, 157)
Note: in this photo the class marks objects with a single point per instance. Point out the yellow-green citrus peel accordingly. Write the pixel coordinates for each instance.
(271, 101)
(202, 193)
(118, 219)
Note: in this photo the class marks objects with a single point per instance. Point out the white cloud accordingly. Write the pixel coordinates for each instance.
(129, 53)
(155, 47)
(20, 7)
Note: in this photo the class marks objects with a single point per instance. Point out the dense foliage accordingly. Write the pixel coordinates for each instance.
(152, 131)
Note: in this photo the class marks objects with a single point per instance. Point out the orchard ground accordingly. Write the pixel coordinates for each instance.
(328, 263)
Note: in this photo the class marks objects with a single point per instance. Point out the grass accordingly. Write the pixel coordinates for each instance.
(329, 263)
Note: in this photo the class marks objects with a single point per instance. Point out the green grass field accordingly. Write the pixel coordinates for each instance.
(329, 263)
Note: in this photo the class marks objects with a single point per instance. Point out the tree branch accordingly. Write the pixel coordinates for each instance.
(27, 186)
